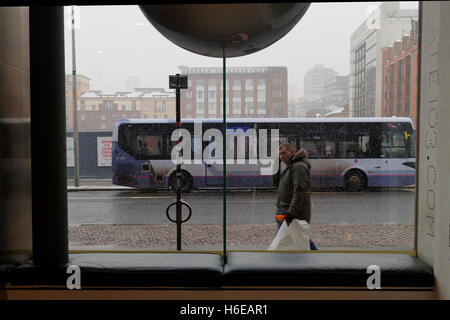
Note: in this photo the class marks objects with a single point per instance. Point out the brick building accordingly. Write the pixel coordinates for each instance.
(400, 78)
(99, 111)
(251, 92)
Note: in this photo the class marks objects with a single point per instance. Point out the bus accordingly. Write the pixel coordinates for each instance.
(346, 153)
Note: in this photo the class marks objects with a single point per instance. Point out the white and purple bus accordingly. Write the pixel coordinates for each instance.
(348, 153)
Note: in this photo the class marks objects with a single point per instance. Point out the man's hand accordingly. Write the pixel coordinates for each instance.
(288, 218)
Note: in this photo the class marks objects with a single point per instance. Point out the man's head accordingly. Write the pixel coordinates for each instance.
(285, 152)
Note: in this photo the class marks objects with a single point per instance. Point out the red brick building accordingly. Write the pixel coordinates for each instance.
(400, 78)
(257, 92)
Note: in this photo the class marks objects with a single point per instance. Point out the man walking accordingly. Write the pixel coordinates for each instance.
(294, 187)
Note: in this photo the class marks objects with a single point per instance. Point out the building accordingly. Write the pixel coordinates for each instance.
(336, 91)
(380, 29)
(324, 91)
(251, 92)
(83, 86)
(400, 77)
(99, 111)
(315, 81)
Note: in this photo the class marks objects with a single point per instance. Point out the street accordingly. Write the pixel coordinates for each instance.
(137, 207)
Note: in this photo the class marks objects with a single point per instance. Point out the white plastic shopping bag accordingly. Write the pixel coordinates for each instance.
(292, 237)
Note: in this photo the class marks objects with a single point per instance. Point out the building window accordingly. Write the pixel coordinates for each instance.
(276, 105)
(261, 108)
(211, 108)
(249, 108)
(103, 117)
(145, 108)
(407, 85)
(157, 107)
(236, 108)
(124, 107)
(276, 82)
(399, 87)
(200, 94)
(276, 93)
(163, 107)
(189, 106)
(261, 95)
(103, 126)
(200, 108)
(188, 94)
(212, 83)
(83, 117)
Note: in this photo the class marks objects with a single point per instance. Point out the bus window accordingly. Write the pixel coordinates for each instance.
(394, 142)
(353, 143)
(149, 145)
(330, 149)
(314, 148)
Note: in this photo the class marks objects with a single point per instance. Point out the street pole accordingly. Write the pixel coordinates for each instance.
(76, 170)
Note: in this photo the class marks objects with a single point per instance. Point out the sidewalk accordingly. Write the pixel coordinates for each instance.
(239, 237)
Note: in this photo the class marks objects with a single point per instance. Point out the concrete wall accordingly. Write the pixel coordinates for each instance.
(433, 203)
(15, 140)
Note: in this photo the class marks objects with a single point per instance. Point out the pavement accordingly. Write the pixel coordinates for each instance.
(384, 236)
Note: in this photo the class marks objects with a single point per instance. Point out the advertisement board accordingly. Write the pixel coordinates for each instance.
(104, 151)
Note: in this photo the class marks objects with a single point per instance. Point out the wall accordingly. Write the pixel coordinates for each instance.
(15, 140)
(89, 166)
(433, 203)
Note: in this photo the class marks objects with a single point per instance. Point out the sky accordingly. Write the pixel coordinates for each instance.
(116, 42)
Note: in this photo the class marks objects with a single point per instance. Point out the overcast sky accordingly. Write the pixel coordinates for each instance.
(115, 42)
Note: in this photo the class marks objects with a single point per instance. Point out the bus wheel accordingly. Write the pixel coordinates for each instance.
(355, 181)
(187, 183)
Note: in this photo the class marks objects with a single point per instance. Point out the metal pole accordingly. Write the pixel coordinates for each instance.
(76, 170)
(178, 174)
(224, 146)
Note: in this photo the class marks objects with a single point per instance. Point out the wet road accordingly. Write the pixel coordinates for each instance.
(136, 207)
